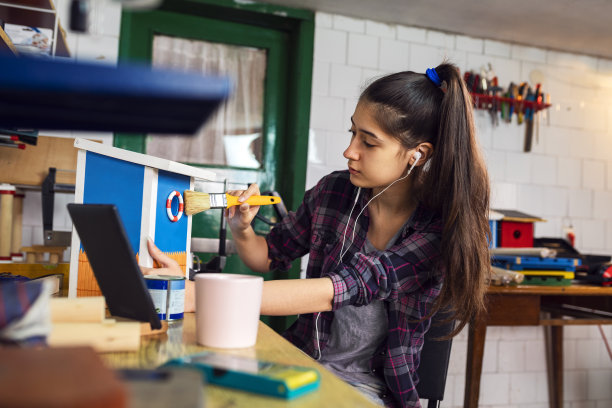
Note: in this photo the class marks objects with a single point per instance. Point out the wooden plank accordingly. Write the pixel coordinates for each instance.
(107, 336)
(473, 371)
(31, 166)
(145, 160)
(30, 18)
(574, 322)
(578, 290)
(554, 365)
(519, 310)
(43, 4)
(84, 309)
(601, 302)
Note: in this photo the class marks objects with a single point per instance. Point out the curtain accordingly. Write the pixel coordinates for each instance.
(233, 135)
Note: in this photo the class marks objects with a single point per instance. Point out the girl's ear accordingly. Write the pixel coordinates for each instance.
(426, 150)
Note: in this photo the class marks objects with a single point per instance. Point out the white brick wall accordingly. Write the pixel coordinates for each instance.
(567, 178)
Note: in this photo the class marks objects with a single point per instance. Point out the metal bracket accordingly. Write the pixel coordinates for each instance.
(49, 188)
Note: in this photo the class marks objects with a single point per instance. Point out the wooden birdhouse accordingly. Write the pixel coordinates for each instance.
(148, 193)
(511, 228)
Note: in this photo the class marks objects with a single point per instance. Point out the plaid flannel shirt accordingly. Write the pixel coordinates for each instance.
(404, 276)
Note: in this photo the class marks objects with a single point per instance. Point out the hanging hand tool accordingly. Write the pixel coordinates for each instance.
(529, 121)
(512, 94)
(495, 92)
(538, 101)
(521, 95)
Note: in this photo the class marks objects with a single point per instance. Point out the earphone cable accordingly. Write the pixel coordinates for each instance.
(342, 252)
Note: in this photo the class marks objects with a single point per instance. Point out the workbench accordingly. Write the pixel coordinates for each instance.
(181, 340)
(549, 306)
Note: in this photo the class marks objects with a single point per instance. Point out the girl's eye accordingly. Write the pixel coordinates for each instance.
(366, 144)
(352, 132)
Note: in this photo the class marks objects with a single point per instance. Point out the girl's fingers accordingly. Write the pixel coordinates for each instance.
(252, 190)
(163, 259)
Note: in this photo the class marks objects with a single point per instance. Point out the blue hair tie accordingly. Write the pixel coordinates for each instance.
(433, 76)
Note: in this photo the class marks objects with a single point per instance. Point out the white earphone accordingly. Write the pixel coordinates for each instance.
(417, 156)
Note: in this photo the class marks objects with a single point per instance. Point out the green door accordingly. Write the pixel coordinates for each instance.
(279, 159)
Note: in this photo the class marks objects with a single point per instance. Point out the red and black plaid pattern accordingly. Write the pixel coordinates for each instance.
(404, 276)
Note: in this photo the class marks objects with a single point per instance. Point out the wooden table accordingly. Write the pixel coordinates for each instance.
(181, 339)
(549, 306)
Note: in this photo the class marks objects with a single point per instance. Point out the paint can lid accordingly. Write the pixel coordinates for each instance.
(164, 277)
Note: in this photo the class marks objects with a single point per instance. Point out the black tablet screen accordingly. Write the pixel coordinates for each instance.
(113, 262)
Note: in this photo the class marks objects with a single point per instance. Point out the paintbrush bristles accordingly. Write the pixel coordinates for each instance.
(196, 202)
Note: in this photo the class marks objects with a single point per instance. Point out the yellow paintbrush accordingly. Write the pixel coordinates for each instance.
(196, 202)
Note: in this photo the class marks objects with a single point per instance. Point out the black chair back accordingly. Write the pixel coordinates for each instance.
(435, 357)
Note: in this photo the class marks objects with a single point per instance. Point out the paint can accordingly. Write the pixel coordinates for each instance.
(168, 294)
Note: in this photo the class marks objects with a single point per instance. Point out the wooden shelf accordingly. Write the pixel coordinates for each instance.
(31, 166)
(44, 18)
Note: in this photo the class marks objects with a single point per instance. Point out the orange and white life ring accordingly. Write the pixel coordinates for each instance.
(172, 217)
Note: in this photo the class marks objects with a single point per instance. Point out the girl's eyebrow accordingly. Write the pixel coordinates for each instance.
(366, 131)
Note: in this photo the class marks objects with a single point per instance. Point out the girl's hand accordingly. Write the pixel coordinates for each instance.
(240, 217)
(170, 267)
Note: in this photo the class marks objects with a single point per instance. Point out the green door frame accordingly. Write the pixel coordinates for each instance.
(290, 133)
(299, 25)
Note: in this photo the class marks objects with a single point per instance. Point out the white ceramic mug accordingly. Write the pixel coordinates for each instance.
(227, 309)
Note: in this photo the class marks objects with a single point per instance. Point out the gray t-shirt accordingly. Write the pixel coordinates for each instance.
(356, 333)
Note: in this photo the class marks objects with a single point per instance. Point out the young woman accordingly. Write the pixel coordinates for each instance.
(400, 234)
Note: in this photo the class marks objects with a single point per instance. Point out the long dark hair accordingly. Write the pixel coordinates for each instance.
(454, 182)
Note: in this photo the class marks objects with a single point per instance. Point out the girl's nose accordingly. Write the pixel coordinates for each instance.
(351, 152)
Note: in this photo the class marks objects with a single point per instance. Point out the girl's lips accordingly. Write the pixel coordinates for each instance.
(353, 171)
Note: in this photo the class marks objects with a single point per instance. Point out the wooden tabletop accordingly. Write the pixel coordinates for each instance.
(181, 339)
(571, 290)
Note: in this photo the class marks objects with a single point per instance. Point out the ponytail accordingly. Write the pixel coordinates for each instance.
(418, 108)
(458, 187)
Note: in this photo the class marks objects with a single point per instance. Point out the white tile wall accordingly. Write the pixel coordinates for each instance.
(327, 113)
(320, 78)
(380, 29)
(555, 202)
(412, 34)
(438, 39)
(566, 179)
(345, 81)
(349, 24)
(394, 55)
(469, 44)
(544, 170)
(330, 45)
(494, 389)
(569, 172)
(532, 54)
(363, 50)
(497, 48)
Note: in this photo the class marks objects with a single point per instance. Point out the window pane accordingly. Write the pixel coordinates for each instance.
(233, 135)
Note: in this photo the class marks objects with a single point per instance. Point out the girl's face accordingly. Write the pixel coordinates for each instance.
(375, 158)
